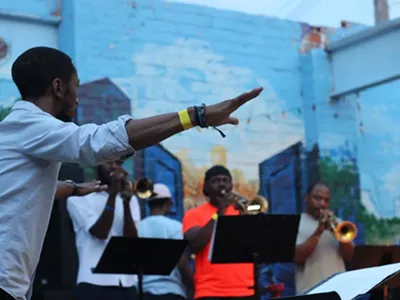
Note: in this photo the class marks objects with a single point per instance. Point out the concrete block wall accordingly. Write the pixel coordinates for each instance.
(32, 8)
(167, 56)
(21, 27)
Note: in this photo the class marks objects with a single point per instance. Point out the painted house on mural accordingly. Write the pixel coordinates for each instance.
(101, 101)
(315, 120)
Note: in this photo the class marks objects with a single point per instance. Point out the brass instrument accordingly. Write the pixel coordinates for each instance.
(256, 205)
(344, 232)
(143, 188)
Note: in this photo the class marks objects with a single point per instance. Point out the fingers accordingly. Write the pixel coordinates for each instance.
(245, 97)
(102, 188)
(117, 175)
(232, 121)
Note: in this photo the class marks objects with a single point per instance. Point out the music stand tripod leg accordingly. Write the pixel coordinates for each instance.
(256, 271)
(140, 283)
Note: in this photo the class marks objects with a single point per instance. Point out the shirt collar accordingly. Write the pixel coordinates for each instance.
(26, 105)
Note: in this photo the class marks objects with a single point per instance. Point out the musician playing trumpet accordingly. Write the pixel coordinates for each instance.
(319, 254)
(215, 281)
(96, 218)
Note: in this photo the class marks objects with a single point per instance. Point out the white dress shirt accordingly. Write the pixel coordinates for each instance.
(84, 212)
(32, 145)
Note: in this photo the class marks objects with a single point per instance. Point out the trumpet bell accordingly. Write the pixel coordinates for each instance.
(143, 188)
(257, 205)
(346, 232)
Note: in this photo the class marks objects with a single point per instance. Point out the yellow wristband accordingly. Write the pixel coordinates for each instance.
(215, 217)
(185, 119)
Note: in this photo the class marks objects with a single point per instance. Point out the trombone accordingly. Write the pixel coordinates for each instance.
(256, 205)
(344, 232)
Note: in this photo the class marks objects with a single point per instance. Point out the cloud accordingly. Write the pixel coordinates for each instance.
(169, 78)
(368, 203)
(392, 181)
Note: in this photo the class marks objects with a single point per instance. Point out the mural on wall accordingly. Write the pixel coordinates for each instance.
(5, 80)
(172, 76)
(284, 142)
(262, 132)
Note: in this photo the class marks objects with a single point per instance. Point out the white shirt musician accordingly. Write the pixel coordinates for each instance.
(318, 254)
(96, 218)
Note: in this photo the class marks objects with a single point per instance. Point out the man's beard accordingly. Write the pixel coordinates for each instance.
(64, 117)
(66, 107)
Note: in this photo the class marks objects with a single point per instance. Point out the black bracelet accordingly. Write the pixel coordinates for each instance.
(200, 112)
(75, 186)
(200, 115)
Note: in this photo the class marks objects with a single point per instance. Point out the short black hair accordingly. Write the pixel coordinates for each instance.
(158, 203)
(35, 69)
(313, 185)
(212, 172)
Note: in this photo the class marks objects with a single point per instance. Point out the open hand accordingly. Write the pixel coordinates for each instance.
(220, 113)
(90, 187)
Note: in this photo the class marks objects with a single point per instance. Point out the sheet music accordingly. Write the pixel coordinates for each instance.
(353, 283)
(210, 252)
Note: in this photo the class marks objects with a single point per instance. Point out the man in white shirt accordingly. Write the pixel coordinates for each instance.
(37, 136)
(96, 218)
(318, 254)
(158, 225)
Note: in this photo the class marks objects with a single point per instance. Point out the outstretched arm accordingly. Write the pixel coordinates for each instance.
(150, 131)
(66, 189)
(90, 144)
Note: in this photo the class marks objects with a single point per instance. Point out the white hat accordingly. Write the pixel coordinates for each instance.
(160, 191)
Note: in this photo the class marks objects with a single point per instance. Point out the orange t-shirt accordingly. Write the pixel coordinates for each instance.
(217, 280)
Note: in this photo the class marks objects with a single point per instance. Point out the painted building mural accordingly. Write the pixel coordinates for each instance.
(157, 57)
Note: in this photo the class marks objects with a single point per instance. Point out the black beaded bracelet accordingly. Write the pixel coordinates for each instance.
(200, 112)
(200, 115)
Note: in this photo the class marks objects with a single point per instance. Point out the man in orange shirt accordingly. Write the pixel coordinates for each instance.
(215, 281)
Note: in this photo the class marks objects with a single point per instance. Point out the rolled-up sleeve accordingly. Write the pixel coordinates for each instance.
(47, 138)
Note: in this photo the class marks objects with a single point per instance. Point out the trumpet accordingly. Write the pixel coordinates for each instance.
(344, 232)
(143, 188)
(256, 205)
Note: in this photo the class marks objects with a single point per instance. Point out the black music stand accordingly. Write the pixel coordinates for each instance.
(366, 256)
(322, 296)
(334, 295)
(140, 256)
(254, 239)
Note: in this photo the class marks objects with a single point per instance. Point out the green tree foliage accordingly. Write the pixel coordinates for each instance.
(343, 181)
(4, 111)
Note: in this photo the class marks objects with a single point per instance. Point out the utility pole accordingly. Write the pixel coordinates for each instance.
(381, 9)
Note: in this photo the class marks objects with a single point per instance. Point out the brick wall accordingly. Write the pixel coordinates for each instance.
(168, 56)
(33, 8)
